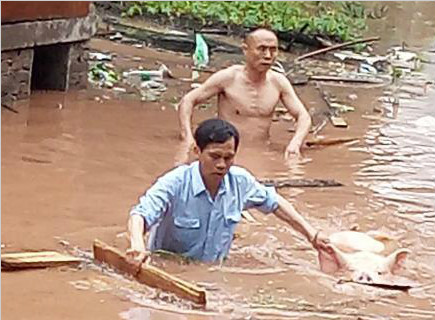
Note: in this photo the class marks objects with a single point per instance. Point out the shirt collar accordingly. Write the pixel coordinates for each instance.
(198, 184)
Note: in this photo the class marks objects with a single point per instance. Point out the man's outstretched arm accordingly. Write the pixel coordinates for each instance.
(288, 213)
(297, 109)
(209, 88)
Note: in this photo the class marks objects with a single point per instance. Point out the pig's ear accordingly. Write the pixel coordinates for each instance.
(395, 260)
(331, 259)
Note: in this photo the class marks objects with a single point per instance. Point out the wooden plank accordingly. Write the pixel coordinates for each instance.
(42, 259)
(398, 285)
(338, 121)
(329, 141)
(301, 183)
(371, 80)
(149, 275)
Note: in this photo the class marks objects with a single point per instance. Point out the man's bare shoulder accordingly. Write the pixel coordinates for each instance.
(280, 80)
(231, 72)
(225, 76)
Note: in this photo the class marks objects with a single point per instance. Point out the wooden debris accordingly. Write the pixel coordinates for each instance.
(42, 259)
(179, 42)
(394, 285)
(329, 141)
(301, 183)
(9, 108)
(147, 274)
(338, 121)
(257, 272)
(346, 79)
(338, 46)
(371, 117)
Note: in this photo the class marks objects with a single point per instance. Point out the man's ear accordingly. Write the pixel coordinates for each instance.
(244, 46)
(196, 150)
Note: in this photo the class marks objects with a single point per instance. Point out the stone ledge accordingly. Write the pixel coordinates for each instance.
(37, 33)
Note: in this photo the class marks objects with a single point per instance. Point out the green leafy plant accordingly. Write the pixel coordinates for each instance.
(345, 20)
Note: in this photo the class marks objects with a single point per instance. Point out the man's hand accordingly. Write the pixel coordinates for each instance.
(293, 150)
(136, 257)
(320, 241)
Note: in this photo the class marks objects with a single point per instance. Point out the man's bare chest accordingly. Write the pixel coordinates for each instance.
(250, 100)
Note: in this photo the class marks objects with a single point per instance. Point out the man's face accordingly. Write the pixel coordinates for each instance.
(261, 49)
(216, 159)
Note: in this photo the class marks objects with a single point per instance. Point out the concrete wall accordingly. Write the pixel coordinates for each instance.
(16, 75)
(54, 48)
(78, 67)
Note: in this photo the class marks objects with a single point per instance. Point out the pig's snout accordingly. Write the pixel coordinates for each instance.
(363, 277)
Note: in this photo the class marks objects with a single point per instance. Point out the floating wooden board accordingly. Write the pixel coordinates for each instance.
(347, 79)
(42, 259)
(330, 141)
(149, 275)
(394, 285)
(301, 183)
(338, 122)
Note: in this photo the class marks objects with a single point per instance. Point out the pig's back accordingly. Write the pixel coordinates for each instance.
(352, 241)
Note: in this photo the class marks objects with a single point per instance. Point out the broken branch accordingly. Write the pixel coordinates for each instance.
(335, 47)
(329, 141)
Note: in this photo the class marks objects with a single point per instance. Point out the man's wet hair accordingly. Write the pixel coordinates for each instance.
(215, 131)
(248, 32)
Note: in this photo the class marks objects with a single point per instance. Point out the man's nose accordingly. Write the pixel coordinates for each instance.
(267, 54)
(220, 164)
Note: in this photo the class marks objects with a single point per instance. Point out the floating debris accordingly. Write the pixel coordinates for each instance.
(81, 284)
(98, 56)
(103, 74)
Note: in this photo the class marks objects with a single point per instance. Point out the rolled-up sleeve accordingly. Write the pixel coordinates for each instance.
(258, 196)
(157, 199)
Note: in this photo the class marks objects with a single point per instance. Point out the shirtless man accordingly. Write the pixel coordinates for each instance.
(248, 95)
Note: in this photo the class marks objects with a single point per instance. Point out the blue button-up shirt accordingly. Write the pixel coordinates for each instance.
(182, 216)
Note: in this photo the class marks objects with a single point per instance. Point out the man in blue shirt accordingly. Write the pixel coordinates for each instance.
(193, 209)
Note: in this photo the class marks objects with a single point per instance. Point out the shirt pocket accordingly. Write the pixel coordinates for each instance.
(186, 233)
(231, 220)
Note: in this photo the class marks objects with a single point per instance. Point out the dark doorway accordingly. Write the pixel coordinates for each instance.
(50, 67)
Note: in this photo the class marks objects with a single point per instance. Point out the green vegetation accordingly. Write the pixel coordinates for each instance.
(344, 20)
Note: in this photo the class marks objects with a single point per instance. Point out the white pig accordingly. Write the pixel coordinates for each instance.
(357, 254)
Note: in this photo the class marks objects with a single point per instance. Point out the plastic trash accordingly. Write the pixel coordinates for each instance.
(366, 68)
(401, 58)
(98, 56)
(138, 76)
(200, 57)
(104, 74)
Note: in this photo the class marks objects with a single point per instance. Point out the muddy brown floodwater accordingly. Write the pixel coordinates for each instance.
(73, 166)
